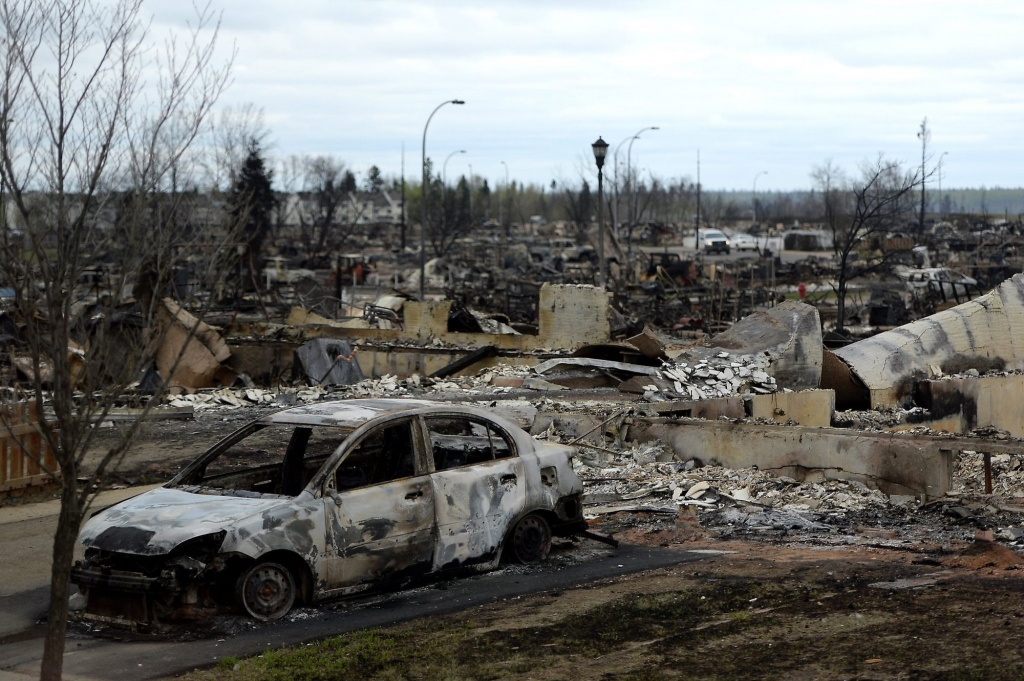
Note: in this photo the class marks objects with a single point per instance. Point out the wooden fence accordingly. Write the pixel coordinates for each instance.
(22, 447)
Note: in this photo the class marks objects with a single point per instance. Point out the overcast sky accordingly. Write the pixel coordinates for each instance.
(777, 86)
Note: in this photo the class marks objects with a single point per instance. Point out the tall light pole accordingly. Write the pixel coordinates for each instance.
(444, 189)
(924, 135)
(600, 148)
(471, 194)
(615, 217)
(501, 204)
(444, 166)
(753, 197)
(941, 216)
(424, 198)
(629, 175)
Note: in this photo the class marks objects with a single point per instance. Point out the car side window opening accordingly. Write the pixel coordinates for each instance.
(272, 459)
(384, 454)
(461, 441)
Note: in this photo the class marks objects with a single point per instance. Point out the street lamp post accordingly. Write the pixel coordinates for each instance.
(444, 166)
(423, 200)
(444, 189)
(615, 206)
(941, 216)
(470, 194)
(753, 198)
(600, 148)
(629, 176)
(501, 206)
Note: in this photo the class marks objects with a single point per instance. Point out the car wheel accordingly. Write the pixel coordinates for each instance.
(531, 539)
(266, 591)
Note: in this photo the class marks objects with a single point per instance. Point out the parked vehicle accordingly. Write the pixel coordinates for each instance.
(713, 241)
(743, 242)
(327, 500)
(945, 283)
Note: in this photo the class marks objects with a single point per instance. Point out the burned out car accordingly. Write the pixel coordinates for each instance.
(326, 500)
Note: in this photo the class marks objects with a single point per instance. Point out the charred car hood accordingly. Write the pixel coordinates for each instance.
(157, 521)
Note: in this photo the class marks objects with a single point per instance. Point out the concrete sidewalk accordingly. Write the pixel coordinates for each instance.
(26, 535)
(44, 509)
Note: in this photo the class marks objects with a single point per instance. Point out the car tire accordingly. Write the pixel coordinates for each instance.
(530, 539)
(266, 591)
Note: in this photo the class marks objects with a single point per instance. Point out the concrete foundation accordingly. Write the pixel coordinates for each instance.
(808, 407)
(959, 405)
(891, 463)
(568, 316)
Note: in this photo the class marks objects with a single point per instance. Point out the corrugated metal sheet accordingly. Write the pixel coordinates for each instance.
(985, 333)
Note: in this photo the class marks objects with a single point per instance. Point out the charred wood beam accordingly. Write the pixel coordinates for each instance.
(466, 362)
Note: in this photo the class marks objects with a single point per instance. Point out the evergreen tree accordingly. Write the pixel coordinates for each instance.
(374, 180)
(252, 203)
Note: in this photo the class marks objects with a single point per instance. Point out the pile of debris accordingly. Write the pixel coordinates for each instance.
(635, 480)
(717, 375)
(1007, 475)
(880, 418)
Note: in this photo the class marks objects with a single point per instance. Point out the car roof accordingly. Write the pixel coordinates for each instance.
(354, 413)
(344, 413)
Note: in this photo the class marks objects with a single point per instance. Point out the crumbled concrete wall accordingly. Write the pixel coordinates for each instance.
(985, 333)
(569, 315)
(572, 315)
(891, 463)
(788, 335)
(807, 407)
(959, 405)
(268, 362)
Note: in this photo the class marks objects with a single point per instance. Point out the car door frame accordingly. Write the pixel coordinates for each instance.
(493, 527)
(426, 534)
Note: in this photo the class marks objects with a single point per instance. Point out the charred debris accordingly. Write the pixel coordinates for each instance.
(715, 387)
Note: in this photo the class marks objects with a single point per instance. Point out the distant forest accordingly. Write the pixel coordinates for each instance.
(995, 201)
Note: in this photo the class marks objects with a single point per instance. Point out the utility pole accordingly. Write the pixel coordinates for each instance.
(923, 135)
(696, 221)
(941, 213)
(403, 197)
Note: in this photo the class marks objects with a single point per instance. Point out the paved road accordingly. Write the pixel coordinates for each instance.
(105, 659)
(26, 535)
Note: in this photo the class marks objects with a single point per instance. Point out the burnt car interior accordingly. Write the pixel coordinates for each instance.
(384, 454)
(460, 441)
(267, 461)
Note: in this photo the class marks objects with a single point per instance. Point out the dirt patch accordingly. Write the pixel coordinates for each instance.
(781, 613)
(985, 554)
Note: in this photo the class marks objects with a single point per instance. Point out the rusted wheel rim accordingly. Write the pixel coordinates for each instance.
(268, 592)
(531, 539)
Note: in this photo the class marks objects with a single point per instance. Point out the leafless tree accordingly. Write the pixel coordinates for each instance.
(863, 210)
(232, 133)
(717, 209)
(92, 157)
(579, 205)
(327, 186)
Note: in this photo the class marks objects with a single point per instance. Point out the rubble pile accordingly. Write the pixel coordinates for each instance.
(635, 475)
(880, 418)
(717, 375)
(1007, 475)
(225, 397)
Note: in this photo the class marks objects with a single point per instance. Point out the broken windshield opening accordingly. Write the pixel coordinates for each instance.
(272, 460)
